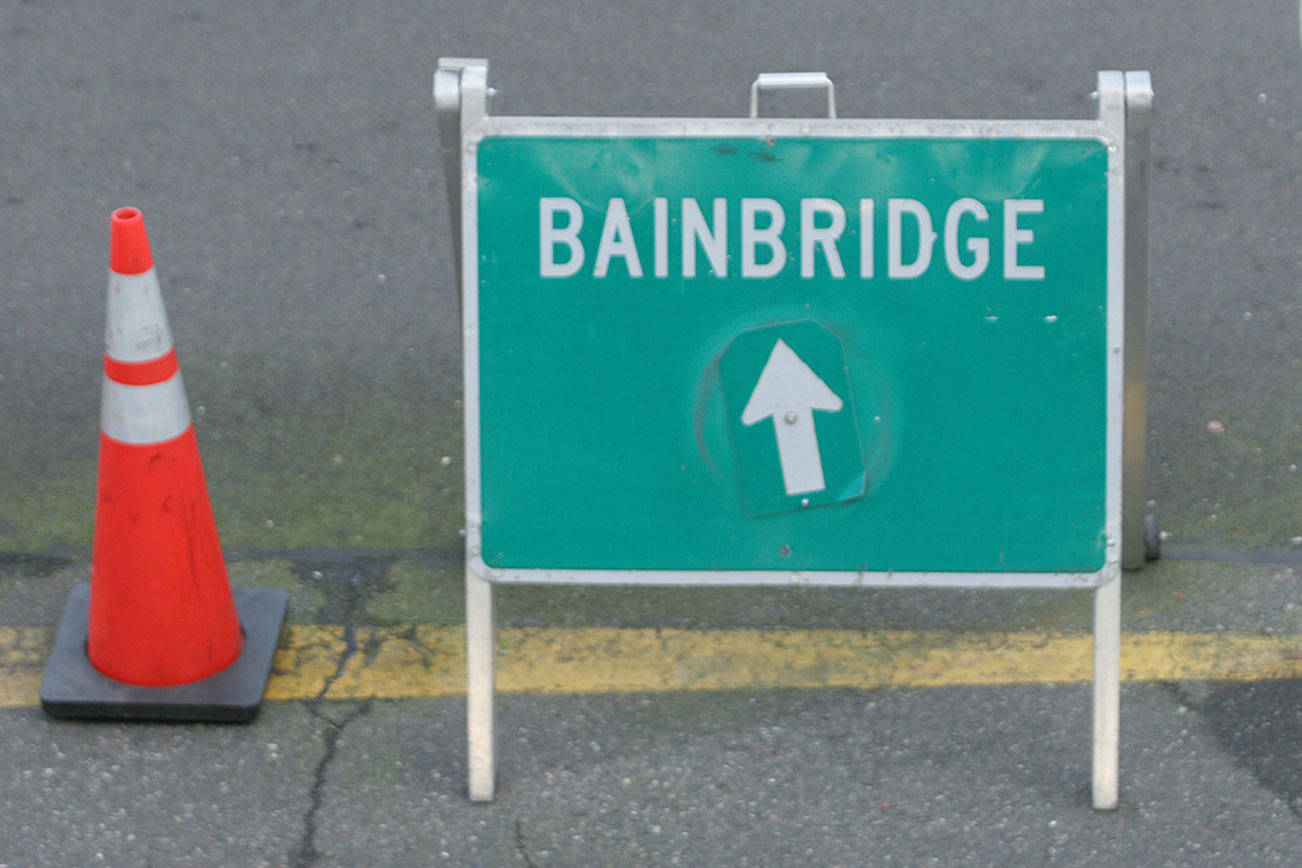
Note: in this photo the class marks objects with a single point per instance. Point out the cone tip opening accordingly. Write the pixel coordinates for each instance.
(129, 245)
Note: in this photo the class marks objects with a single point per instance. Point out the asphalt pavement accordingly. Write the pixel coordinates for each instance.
(286, 159)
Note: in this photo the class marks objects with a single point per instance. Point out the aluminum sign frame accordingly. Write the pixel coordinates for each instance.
(462, 94)
(1101, 130)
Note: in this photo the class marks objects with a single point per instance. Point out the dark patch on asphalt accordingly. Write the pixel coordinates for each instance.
(348, 584)
(34, 565)
(1260, 724)
(1253, 556)
(324, 555)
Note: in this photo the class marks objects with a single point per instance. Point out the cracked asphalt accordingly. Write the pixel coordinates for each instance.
(962, 775)
(286, 159)
(352, 582)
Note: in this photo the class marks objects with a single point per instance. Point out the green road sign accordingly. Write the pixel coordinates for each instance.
(854, 353)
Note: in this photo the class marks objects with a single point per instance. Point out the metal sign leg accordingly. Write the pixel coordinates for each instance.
(1107, 597)
(479, 687)
(1107, 693)
(461, 96)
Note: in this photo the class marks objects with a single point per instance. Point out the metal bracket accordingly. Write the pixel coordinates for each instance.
(792, 81)
(461, 97)
(1140, 537)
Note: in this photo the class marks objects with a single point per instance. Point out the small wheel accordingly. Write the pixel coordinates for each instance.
(1152, 538)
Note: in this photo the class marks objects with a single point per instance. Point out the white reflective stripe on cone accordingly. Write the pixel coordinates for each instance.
(137, 328)
(145, 414)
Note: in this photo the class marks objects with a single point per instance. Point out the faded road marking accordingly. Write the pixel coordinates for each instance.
(419, 661)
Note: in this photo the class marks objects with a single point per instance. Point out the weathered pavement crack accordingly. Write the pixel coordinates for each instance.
(353, 597)
(306, 853)
(520, 845)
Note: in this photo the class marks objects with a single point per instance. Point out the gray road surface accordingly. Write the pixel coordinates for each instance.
(285, 157)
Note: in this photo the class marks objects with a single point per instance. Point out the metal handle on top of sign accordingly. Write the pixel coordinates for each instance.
(792, 81)
(461, 95)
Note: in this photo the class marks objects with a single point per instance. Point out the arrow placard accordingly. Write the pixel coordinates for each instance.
(795, 435)
(788, 392)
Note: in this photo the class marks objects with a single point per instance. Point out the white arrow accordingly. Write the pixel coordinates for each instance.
(789, 391)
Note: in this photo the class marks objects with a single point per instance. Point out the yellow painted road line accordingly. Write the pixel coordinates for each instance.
(417, 661)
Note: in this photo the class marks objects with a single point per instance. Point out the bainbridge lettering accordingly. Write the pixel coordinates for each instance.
(760, 240)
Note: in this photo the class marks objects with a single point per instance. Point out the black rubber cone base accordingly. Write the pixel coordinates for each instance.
(74, 688)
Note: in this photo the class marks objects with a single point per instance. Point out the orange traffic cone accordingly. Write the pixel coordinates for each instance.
(160, 635)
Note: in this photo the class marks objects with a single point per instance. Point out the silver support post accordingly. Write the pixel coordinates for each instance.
(1137, 544)
(461, 96)
(1107, 693)
(480, 746)
(1107, 597)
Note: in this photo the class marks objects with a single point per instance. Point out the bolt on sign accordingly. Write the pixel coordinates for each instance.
(765, 351)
